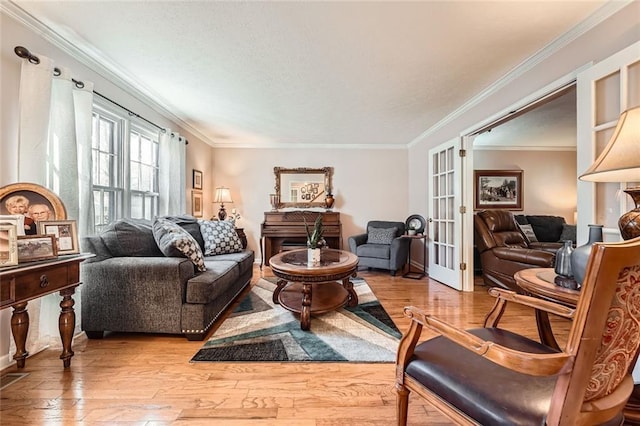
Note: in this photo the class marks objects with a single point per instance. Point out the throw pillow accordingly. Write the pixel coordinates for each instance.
(568, 232)
(381, 235)
(527, 230)
(174, 241)
(220, 237)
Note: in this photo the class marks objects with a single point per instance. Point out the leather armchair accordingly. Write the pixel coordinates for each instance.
(504, 250)
(390, 256)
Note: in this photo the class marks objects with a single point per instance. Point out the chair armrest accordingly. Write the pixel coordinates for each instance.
(522, 255)
(523, 362)
(357, 240)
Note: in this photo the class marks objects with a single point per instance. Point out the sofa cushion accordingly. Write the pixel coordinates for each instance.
(568, 232)
(174, 241)
(527, 230)
(207, 286)
(190, 224)
(130, 237)
(546, 228)
(220, 237)
(380, 235)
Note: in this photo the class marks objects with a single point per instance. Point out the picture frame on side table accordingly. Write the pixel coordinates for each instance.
(196, 203)
(32, 200)
(498, 189)
(18, 221)
(197, 179)
(65, 232)
(8, 245)
(36, 247)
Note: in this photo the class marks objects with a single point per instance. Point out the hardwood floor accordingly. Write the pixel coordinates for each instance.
(138, 379)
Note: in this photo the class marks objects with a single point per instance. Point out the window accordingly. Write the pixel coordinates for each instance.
(125, 167)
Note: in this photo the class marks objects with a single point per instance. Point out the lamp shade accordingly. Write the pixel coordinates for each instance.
(620, 159)
(223, 195)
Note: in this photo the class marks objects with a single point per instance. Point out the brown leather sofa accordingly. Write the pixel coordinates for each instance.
(504, 250)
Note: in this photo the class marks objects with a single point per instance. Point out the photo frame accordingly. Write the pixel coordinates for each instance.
(18, 221)
(65, 233)
(8, 245)
(36, 247)
(498, 189)
(20, 198)
(197, 179)
(196, 203)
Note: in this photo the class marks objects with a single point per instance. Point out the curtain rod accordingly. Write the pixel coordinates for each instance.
(24, 53)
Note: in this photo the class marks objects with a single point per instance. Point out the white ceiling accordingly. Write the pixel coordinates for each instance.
(262, 73)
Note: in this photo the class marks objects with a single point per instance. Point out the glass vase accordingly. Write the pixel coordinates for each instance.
(563, 259)
(580, 255)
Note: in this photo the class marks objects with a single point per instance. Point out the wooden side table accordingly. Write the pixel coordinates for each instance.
(22, 283)
(416, 275)
(539, 282)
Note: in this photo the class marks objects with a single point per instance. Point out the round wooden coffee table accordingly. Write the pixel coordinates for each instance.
(314, 289)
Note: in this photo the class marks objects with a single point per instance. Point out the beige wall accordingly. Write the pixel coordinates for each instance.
(549, 178)
(367, 185)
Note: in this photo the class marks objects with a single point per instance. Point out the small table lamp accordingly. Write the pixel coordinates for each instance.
(223, 195)
(620, 162)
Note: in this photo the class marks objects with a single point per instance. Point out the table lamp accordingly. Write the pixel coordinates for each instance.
(223, 195)
(620, 162)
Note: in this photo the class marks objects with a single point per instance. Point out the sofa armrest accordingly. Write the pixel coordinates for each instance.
(357, 240)
(94, 244)
(539, 258)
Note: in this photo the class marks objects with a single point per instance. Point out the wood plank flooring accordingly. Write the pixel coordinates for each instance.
(140, 379)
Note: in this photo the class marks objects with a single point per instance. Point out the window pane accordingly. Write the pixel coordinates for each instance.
(104, 173)
(146, 151)
(135, 176)
(135, 147)
(137, 206)
(106, 135)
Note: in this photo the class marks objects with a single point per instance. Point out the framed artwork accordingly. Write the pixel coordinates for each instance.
(8, 245)
(36, 247)
(196, 203)
(65, 232)
(498, 189)
(197, 179)
(33, 201)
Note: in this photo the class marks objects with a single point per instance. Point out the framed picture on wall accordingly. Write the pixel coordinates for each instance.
(197, 179)
(196, 203)
(498, 189)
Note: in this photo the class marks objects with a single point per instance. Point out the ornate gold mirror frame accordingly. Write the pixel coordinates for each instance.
(302, 187)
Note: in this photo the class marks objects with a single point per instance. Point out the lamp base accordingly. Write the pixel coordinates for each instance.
(629, 223)
(222, 213)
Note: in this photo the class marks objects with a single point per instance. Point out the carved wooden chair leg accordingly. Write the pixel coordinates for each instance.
(402, 404)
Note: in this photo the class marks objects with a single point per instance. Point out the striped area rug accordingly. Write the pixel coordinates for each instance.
(260, 331)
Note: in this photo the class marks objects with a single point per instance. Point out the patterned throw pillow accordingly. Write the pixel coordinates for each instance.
(527, 230)
(381, 235)
(220, 237)
(174, 241)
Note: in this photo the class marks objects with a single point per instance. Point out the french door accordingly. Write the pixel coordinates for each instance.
(444, 214)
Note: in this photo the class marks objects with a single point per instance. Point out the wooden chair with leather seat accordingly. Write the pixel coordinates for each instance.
(491, 376)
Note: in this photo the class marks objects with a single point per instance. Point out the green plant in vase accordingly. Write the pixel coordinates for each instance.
(314, 238)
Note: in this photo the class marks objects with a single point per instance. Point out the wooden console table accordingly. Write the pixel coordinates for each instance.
(21, 283)
(284, 230)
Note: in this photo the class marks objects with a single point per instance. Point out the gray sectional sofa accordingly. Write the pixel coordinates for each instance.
(131, 286)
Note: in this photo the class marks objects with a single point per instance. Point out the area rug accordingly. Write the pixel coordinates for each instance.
(259, 330)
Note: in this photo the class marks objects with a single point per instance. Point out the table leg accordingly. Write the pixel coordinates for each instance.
(352, 301)
(305, 313)
(544, 329)
(66, 325)
(19, 329)
(279, 286)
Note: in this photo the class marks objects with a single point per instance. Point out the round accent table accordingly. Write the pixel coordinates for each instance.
(307, 289)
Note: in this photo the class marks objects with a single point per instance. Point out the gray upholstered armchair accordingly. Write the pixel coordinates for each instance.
(381, 247)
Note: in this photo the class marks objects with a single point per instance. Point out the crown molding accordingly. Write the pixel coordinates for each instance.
(604, 12)
(524, 148)
(280, 145)
(102, 65)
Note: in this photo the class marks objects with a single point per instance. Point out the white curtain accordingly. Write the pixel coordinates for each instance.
(55, 151)
(172, 180)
